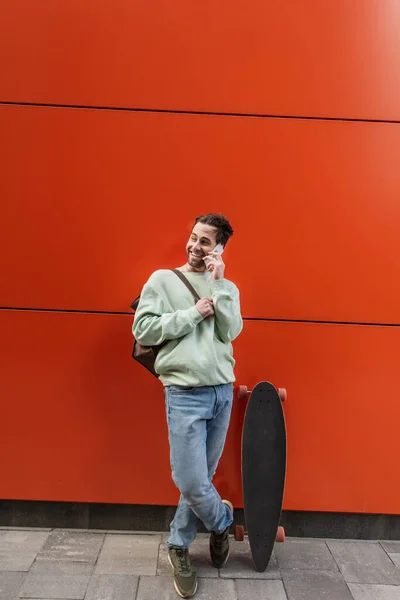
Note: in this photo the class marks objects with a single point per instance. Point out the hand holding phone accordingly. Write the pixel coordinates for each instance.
(214, 264)
(218, 248)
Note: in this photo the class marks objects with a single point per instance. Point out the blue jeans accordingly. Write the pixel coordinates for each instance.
(198, 420)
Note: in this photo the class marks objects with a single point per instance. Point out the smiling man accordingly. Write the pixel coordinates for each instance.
(196, 367)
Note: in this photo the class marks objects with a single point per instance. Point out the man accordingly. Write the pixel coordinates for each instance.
(196, 368)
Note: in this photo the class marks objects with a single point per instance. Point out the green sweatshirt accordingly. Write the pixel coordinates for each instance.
(199, 351)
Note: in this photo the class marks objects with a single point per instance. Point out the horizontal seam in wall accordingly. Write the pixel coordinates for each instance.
(195, 112)
(257, 319)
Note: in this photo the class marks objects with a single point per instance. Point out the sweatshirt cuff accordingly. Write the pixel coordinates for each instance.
(219, 285)
(194, 315)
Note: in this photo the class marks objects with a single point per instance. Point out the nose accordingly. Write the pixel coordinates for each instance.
(196, 247)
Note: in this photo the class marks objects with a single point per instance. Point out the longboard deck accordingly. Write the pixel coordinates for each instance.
(263, 470)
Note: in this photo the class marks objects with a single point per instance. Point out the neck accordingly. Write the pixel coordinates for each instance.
(189, 269)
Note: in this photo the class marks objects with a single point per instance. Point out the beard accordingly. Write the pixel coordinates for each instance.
(197, 263)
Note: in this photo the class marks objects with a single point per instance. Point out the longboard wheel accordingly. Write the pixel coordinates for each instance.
(241, 392)
(282, 394)
(280, 534)
(238, 532)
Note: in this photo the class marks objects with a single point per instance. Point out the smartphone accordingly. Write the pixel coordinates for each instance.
(218, 248)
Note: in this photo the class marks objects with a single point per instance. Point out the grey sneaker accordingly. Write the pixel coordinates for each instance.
(219, 544)
(185, 577)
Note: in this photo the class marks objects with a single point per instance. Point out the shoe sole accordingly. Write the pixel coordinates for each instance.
(220, 566)
(176, 587)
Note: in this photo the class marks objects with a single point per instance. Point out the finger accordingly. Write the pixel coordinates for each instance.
(210, 259)
(214, 256)
(213, 262)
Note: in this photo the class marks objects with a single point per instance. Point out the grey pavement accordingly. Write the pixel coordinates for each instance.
(70, 564)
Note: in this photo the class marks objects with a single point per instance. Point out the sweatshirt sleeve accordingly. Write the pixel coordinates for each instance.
(227, 309)
(155, 322)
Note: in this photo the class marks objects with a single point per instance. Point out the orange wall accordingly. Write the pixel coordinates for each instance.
(93, 200)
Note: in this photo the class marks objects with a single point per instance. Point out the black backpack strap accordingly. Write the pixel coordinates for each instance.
(135, 303)
(186, 282)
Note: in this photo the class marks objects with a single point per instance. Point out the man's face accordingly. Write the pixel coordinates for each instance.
(203, 239)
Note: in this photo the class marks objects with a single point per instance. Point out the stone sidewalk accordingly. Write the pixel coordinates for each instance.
(103, 565)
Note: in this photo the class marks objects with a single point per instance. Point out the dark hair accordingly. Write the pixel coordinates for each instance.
(221, 224)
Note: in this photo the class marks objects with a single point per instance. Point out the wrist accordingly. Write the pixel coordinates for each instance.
(217, 276)
(195, 315)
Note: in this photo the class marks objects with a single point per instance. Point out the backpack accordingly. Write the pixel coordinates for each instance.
(146, 355)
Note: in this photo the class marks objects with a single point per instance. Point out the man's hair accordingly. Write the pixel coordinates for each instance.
(221, 223)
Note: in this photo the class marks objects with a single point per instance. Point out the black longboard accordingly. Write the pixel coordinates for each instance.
(263, 470)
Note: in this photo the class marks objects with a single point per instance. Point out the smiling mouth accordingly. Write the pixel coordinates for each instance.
(196, 255)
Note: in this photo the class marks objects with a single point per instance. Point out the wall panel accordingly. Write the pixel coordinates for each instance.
(83, 422)
(332, 59)
(94, 201)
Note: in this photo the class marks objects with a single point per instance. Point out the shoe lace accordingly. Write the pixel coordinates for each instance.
(184, 562)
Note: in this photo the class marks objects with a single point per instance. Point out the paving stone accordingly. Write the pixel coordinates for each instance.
(249, 589)
(10, 583)
(305, 554)
(391, 547)
(125, 532)
(199, 556)
(18, 549)
(72, 545)
(362, 591)
(199, 537)
(57, 579)
(364, 563)
(112, 587)
(396, 559)
(309, 584)
(162, 588)
(128, 555)
(240, 564)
